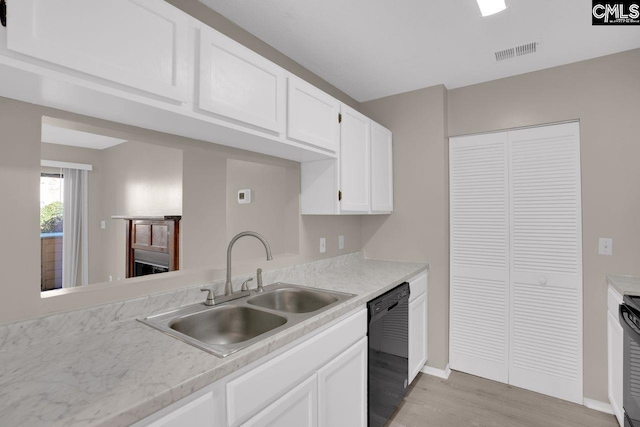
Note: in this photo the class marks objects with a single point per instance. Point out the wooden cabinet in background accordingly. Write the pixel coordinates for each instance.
(153, 245)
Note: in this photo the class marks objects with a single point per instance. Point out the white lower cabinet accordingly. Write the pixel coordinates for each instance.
(342, 388)
(318, 380)
(197, 413)
(418, 322)
(615, 350)
(298, 408)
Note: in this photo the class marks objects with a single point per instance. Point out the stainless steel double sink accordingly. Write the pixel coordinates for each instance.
(231, 326)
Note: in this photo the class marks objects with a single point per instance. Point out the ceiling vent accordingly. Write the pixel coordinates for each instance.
(513, 52)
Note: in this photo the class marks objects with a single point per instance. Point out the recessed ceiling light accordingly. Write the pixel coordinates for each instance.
(490, 7)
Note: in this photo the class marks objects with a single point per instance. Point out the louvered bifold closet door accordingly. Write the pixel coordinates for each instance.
(479, 255)
(546, 261)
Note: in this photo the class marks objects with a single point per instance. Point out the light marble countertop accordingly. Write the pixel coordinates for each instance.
(625, 285)
(110, 370)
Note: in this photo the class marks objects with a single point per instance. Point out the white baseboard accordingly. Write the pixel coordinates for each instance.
(440, 373)
(598, 406)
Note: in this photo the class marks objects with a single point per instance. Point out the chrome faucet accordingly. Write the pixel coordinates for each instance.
(228, 288)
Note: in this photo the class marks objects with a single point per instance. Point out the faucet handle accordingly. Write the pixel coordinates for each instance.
(210, 297)
(245, 284)
(259, 275)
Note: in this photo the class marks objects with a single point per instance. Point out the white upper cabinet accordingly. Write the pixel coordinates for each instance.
(312, 115)
(239, 84)
(148, 64)
(381, 169)
(142, 44)
(355, 167)
(361, 181)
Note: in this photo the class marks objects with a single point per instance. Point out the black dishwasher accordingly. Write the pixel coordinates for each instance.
(388, 333)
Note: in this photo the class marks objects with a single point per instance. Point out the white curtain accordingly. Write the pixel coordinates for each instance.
(75, 227)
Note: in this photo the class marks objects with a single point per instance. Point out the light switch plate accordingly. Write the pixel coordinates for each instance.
(340, 242)
(103, 225)
(323, 245)
(605, 246)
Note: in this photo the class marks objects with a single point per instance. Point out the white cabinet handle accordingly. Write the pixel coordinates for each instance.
(543, 280)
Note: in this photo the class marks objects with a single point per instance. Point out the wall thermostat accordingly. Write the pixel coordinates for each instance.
(244, 196)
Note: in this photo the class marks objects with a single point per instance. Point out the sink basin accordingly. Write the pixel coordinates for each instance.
(293, 300)
(227, 324)
(245, 320)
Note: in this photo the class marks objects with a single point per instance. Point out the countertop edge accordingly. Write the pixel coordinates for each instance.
(624, 285)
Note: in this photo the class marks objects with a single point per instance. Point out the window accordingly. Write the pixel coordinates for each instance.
(51, 226)
(51, 197)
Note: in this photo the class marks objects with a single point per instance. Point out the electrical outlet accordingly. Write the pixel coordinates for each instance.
(323, 245)
(605, 246)
(340, 242)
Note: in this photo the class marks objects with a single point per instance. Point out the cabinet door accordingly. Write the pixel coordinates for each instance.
(381, 169)
(239, 84)
(298, 408)
(417, 335)
(615, 340)
(342, 388)
(139, 43)
(199, 413)
(355, 131)
(312, 115)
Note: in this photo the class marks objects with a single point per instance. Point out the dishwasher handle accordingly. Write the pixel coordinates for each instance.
(388, 301)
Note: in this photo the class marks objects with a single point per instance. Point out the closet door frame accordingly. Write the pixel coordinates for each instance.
(487, 372)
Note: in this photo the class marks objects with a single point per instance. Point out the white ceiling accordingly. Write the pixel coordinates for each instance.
(75, 138)
(375, 48)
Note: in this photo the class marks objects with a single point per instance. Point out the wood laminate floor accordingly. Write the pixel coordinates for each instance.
(465, 400)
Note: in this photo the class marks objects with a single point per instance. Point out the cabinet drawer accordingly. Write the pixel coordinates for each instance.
(253, 391)
(139, 43)
(614, 299)
(418, 286)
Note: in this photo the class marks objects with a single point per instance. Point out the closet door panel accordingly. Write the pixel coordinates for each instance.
(479, 255)
(546, 267)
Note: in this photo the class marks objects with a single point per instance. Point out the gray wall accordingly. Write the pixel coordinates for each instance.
(204, 232)
(418, 229)
(204, 228)
(604, 94)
